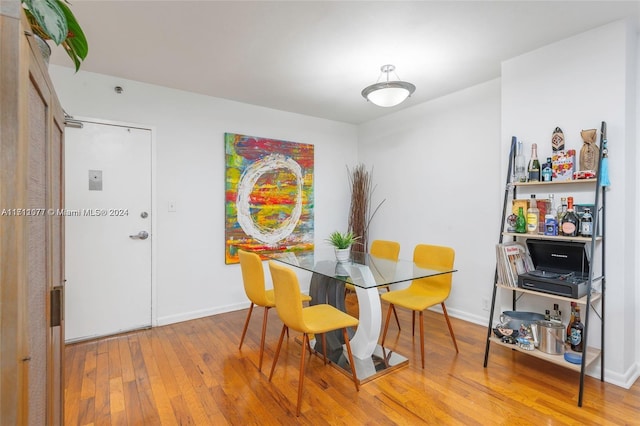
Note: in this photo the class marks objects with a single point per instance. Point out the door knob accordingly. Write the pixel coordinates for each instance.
(142, 235)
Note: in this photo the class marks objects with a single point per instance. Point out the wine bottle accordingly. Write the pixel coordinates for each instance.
(533, 216)
(534, 164)
(577, 329)
(586, 223)
(520, 167)
(570, 221)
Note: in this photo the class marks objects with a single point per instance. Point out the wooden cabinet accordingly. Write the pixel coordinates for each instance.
(31, 230)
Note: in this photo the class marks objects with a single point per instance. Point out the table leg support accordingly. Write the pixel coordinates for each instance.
(365, 339)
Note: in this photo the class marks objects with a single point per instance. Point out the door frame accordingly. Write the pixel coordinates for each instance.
(154, 206)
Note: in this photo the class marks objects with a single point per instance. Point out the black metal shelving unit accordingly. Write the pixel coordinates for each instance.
(590, 354)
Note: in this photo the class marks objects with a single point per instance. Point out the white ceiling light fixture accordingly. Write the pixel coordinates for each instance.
(388, 93)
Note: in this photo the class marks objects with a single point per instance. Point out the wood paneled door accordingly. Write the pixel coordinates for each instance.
(31, 230)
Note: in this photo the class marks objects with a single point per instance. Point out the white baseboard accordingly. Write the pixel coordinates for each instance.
(186, 316)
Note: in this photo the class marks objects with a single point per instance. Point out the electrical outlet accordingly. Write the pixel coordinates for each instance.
(485, 304)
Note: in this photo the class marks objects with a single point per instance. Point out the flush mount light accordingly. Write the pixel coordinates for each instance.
(388, 93)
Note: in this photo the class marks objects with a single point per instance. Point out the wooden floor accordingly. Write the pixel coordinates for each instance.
(192, 373)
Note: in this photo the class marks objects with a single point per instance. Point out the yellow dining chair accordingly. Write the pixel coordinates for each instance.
(425, 292)
(254, 287)
(316, 319)
(386, 250)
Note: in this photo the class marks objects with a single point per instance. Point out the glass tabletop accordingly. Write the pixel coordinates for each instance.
(362, 270)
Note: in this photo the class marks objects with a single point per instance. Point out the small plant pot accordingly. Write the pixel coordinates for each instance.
(44, 47)
(342, 255)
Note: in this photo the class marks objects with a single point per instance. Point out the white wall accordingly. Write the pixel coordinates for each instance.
(575, 84)
(437, 164)
(191, 278)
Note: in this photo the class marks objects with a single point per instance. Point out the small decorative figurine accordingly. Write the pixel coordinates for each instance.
(557, 140)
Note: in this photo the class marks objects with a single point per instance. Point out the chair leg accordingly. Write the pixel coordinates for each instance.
(301, 376)
(397, 320)
(386, 325)
(275, 358)
(413, 323)
(353, 366)
(422, 337)
(446, 316)
(311, 351)
(395, 314)
(324, 348)
(264, 332)
(246, 324)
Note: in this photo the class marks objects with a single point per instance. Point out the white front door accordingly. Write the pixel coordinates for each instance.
(108, 230)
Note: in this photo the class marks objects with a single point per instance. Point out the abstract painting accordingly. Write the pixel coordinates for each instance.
(268, 195)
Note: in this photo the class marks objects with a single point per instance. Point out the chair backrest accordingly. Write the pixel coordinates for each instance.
(430, 256)
(288, 298)
(253, 277)
(385, 249)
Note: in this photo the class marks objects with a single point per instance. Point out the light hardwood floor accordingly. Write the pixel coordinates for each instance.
(192, 373)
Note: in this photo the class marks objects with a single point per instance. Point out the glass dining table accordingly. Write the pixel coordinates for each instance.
(368, 274)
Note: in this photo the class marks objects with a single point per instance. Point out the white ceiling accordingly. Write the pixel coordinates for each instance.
(315, 57)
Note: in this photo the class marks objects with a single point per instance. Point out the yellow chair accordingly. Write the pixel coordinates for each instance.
(254, 287)
(316, 319)
(386, 250)
(425, 292)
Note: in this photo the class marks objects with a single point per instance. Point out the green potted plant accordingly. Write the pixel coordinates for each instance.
(341, 243)
(53, 20)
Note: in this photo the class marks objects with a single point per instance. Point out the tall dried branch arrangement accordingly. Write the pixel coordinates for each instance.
(360, 214)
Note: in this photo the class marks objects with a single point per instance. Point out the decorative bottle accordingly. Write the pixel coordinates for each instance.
(586, 223)
(533, 216)
(534, 164)
(577, 329)
(521, 222)
(570, 221)
(547, 172)
(520, 166)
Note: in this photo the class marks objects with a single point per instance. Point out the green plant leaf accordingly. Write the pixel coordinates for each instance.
(341, 240)
(50, 17)
(76, 44)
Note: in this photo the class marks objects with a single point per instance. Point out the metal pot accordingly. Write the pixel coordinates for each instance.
(514, 319)
(551, 337)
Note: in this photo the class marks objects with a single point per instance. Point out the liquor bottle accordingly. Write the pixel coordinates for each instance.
(547, 172)
(520, 167)
(576, 332)
(534, 164)
(570, 221)
(586, 223)
(550, 225)
(533, 216)
(572, 318)
(557, 315)
(562, 210)
(521, 222)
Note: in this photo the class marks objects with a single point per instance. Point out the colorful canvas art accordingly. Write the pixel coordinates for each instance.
(268, 195)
